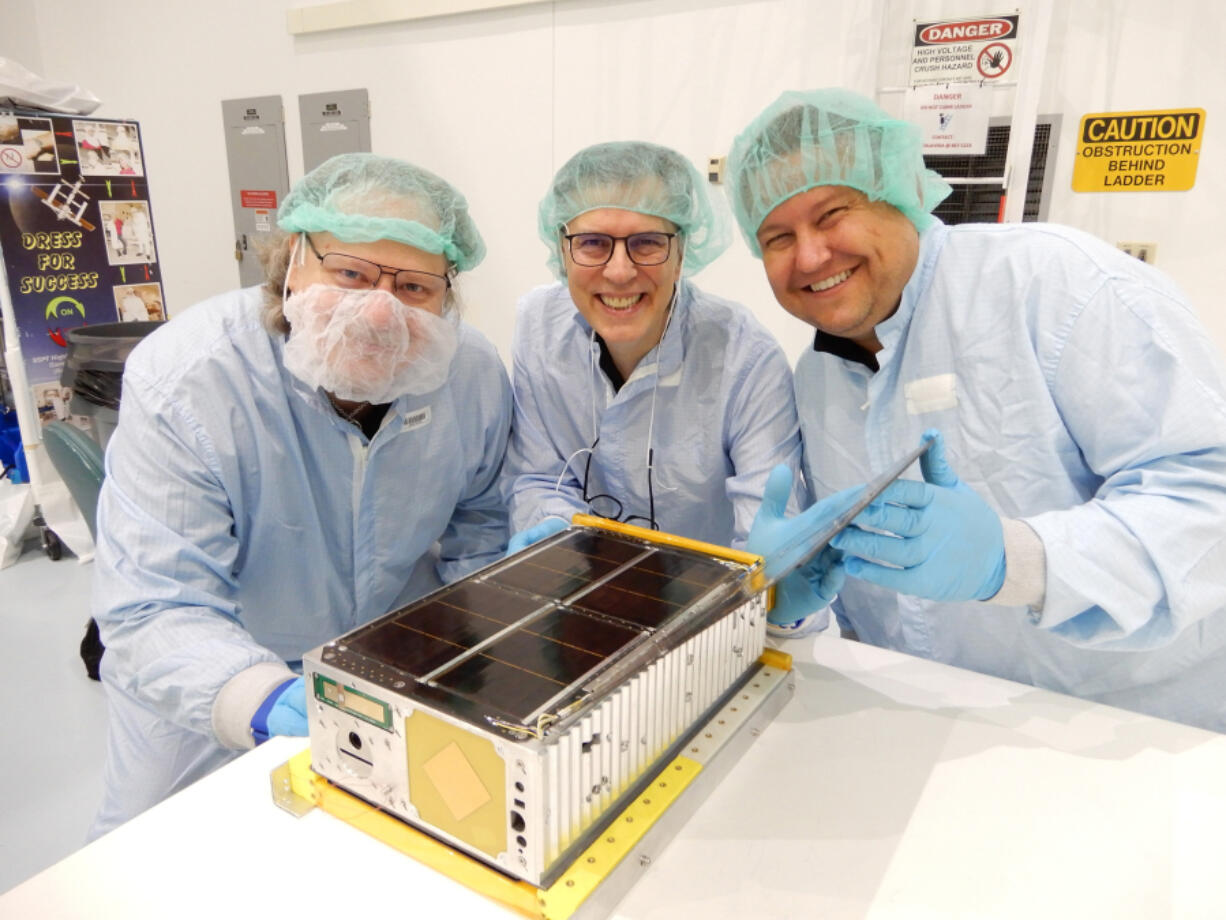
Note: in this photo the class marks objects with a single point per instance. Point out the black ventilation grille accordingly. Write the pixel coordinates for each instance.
(981, 203)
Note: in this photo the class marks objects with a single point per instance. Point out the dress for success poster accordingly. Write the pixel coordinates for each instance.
(76, 234)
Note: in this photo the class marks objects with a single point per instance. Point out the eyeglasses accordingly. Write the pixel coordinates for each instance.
(593, 249)
(412, 287)
(606, 506)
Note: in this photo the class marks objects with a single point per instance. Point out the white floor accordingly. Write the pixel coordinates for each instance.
(53, 717)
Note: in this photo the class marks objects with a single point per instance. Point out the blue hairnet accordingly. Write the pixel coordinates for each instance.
(828, 137)
(634, 176)
(363, 197)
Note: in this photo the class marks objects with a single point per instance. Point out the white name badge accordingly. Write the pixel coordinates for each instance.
(418, 418)
(931, 394)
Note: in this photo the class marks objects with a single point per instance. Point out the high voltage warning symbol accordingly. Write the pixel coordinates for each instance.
(1138, 151)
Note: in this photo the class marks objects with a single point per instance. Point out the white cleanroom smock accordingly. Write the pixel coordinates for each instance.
(724, 416)
(1077, 393)
(243, 522)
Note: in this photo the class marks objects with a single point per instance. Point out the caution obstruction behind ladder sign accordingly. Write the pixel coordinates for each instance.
(1138, 151)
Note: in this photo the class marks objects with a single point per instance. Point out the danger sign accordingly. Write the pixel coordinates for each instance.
(963, 50)
(1155, 151)
(258, 198)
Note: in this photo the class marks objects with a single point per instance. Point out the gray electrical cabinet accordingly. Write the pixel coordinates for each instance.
(259, 175)
(332, 123)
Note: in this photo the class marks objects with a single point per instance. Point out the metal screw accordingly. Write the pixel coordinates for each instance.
(644, 860)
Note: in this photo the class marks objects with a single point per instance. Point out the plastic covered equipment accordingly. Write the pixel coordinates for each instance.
(93, 367)
(634, 176)
(828, 137)
(364, 197)
(22, 88)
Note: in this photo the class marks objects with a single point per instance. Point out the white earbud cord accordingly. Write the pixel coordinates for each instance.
(655, 389)
(591, 373)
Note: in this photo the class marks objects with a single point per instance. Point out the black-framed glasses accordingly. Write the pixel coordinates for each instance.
(412, 287)
(594, 249)
(609, 507)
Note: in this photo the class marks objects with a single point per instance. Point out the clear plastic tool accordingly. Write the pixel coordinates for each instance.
(805, 546)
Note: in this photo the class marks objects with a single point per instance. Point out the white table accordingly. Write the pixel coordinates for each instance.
(889, 787)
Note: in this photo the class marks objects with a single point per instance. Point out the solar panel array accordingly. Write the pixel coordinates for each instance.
(590, 595)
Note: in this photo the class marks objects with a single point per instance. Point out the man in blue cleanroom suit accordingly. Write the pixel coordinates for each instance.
(637, 356)
(638, 396)
(292, 461)
(1071, 529)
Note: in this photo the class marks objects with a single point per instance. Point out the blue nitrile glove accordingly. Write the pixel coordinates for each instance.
(942, 541)
(784, 541)
(534, 534)
(283, 712)
(801, 597)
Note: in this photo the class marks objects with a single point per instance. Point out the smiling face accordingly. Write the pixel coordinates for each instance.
(626, 303)
(838, 261)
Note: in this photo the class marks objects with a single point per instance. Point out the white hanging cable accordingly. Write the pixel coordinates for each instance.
(655, 387)
(591, 374)
(651, 420)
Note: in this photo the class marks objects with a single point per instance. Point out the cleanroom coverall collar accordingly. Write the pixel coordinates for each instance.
(825, 343)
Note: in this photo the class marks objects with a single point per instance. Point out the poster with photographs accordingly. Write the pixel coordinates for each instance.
(53, 403)
(27, 144)
(128, 231)
(108, 148)
(77, 235)
(139, 303)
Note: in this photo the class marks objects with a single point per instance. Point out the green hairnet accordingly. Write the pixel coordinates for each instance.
(828, 137)
(363, 197)
(634, 176)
